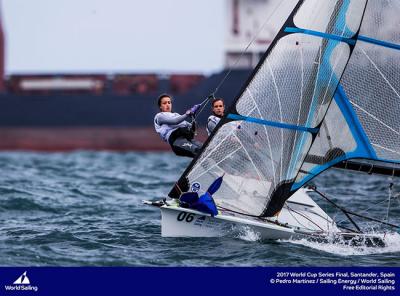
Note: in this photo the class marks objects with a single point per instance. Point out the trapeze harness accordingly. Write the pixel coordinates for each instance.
(178, 133)
(212, 123)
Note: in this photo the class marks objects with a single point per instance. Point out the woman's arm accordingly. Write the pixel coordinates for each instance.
(165, 119)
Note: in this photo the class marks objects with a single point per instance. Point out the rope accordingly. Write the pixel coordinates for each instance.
(304, 216)
(389, 198)
(212, 95)
(347, 213)
(240, 213)
(247, 47)
(203, 105)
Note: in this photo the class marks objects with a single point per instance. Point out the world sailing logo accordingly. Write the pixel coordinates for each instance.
(22, 284)
(22, 280)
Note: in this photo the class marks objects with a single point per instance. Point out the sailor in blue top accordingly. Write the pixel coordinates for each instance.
(175, 130)
(218, 109)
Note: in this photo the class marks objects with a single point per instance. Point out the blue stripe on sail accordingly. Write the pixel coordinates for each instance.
(324, 68)
(320, 34)
(340, 26)
(343, 39)
(364, 145)
(274, 123)
(315, 171)
(379, 42)
(364, 148)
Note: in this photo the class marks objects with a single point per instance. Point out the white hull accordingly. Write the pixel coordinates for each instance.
(304, 216)
(180, 222)
(300, 218)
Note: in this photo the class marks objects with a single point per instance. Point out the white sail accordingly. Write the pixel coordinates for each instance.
(261, 144)
(363, 122)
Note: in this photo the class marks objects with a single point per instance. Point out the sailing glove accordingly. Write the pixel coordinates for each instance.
(194, 109)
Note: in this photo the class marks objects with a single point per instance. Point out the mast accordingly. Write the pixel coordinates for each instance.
(183, 184)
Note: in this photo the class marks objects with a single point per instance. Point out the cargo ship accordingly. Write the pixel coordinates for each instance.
(61, 112)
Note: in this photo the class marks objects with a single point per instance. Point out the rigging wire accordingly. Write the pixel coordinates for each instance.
(389, 198)
(247, 47)
(304, 216)
(366, 210)
(348, 213)
(237, 212)
(212, 95)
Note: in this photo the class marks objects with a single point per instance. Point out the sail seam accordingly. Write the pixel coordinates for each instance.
(380, 72)
(376, 118)
(280, 110)
(212, 150)
(274, 123)
(292, 165)
(266, 133)
(262, 178)
(300, 107)
(219, 144)
(385, 148)
(216, 164)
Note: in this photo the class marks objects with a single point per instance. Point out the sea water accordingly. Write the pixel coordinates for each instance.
(85, 209)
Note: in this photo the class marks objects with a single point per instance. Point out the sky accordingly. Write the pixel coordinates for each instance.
(110, 36)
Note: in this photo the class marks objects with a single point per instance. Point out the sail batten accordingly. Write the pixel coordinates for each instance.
(379, 42)
(273, 123)
(321, 34)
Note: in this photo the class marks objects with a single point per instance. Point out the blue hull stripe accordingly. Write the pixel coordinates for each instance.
(320, 34)
(274, 124)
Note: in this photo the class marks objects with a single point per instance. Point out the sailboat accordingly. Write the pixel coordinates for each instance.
(325, 94)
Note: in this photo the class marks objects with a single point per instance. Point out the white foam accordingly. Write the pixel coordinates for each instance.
(392, 241)
(247, 234)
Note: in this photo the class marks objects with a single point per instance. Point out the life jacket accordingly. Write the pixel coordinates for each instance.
(211, 123)
(166, 130)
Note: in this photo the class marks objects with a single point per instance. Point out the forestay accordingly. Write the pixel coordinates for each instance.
(261, 144)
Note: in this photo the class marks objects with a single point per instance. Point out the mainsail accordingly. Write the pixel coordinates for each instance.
(262, 144)
(363, 121)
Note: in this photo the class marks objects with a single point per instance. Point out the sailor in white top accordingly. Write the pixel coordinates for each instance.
(167, 122)
(218, 109)
(175, 130)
